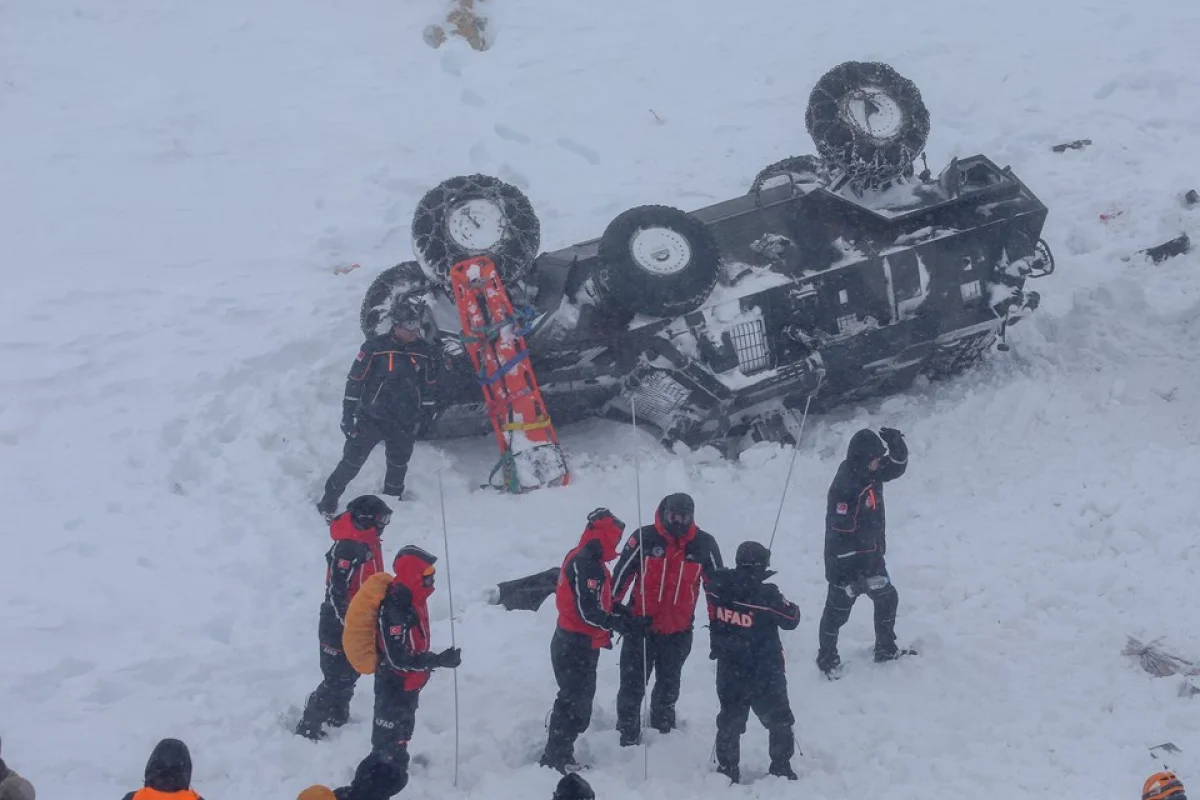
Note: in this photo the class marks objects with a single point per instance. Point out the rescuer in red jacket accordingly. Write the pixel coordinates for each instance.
(354, 557)
(679, 558)
(587, 617)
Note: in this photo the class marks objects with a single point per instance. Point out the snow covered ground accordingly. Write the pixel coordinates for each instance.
(180, 179)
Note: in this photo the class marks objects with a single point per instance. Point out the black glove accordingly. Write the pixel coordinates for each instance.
(450, 658)
(890, 436)
(348, 427)
(602, 513)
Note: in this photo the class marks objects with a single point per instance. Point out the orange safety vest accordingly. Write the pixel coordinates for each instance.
(155, 794)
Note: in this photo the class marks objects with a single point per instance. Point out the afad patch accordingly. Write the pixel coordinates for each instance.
(343, 563)
(396, 630)
(843, 508)
(593, 583)
(361, 355)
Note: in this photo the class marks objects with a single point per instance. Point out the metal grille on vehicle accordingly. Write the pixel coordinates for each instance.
(750, 344)
(658, 396)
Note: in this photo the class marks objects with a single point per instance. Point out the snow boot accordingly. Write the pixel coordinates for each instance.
(565, 764)
(784, 770)
(894, 653)
(328, 508)
(629, 739)
(310, 730)
(663, 719)
(730, 771)
(830, 665)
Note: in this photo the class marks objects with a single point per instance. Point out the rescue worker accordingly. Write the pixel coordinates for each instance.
(405, 664)
(168, 774)
(390, 390)
(587, 617)
(354, 556)
(745, 616)
(678, 557)
(855, 544)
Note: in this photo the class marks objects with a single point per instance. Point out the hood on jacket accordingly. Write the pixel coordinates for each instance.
(864, 447)
(343, 529)
(410, 569)
(753, 560)
(678, 502)
(170, 767)
(606, 533)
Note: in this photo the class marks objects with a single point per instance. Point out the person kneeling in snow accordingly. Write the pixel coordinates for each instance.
(387, 633)
(587, 617)
(168, 774)
(13, 786)
(354, 557)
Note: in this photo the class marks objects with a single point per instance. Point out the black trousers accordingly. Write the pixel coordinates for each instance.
(758, 685)
(837, 611)
(574, 661)
(398, 438)
(329, 703)
(665, 655)
(384, 772)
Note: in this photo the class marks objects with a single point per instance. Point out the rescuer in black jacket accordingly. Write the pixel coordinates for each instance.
(855, 543)
(389, 391)
(745, 615)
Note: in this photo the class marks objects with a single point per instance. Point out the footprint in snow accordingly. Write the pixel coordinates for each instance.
(583, 151)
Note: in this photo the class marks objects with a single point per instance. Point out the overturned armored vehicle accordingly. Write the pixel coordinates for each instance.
(838, 276)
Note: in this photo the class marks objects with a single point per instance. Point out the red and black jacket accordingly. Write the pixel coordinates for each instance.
(354, 557)
(855, 526)
(584, 591)
(675, 569)
(402, 631)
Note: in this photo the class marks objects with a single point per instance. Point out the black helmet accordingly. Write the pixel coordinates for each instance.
(369, 511)
(752, 554)
(677, 512)
(754, 558)
(573, 787)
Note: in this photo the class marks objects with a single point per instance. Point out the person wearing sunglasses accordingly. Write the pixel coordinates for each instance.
(390, 389)
(587, 617)
(855, 544)
(678, 557)
(405, 664)
(354, 557)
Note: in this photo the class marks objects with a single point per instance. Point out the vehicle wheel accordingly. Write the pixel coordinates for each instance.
(475, 215)
(658, 261)
(867, 120)
(803, 170)
(403, 279)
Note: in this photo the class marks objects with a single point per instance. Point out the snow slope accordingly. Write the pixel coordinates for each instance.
(179, 181)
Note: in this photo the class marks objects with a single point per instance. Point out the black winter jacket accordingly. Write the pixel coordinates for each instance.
(392, 380)
(745, 615)
(855, 527)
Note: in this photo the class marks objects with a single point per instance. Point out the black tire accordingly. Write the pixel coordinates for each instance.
(804, 170)
(404, 279)
(658, 261)
(839, 114)
(518, 233)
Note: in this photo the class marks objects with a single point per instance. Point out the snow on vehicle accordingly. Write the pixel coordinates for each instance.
(844, 271)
